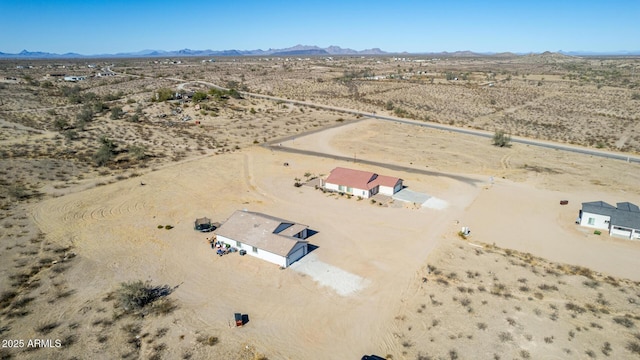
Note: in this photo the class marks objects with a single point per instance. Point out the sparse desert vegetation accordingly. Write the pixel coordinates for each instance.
(100, 181)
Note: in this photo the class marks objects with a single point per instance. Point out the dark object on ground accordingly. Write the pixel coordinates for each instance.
(564, 202)
(204, 225)
(243, 252)
(286, 164)
(372, 357)
(238, 317)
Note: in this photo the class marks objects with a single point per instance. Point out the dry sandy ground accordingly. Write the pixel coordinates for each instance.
(114, 231)
(120, 237)
(520, 217)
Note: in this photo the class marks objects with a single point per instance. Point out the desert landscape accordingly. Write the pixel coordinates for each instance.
(103, 178)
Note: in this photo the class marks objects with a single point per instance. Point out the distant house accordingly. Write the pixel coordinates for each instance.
(74, 78)
(269, 238)
(622, 220)
(361, 183)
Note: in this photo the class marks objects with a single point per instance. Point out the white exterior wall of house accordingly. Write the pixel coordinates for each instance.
(628, 233)
(622, 232)
(388, 190)
(595, 220)
(261, 254)
(330, 186)
(354, 191)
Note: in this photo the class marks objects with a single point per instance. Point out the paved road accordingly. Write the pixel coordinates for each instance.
(481, 133)
(464, 179)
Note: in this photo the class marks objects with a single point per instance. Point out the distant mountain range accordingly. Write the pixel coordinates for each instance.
(298, 50)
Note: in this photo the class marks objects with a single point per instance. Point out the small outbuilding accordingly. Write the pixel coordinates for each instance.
(204, 224)
(269, 238)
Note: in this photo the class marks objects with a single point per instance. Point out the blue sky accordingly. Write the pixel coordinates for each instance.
(95, 27)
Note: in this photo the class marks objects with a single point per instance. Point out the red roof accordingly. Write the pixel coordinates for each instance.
(384, 180)
(360, 179)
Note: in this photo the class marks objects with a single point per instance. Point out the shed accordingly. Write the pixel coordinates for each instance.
(203, 224)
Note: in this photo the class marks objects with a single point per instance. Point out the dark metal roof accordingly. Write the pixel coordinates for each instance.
(625, 214)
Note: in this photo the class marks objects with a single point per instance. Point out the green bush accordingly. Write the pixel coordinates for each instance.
(597, 232)
(199, 96)
(163, 94)
(501, 139)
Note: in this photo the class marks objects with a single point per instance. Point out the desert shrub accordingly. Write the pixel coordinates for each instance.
(400, 112)
(501, 139)
(112, 96)
(163, 94)
(624, 321)
(574, 307)
(137, 151)
(634, 347)
(199, 96)
(207, 340)
(61, 124)
(453, 354)
(47, 328)
(72, 94)
(136, 295)
(18, 191)
(116, 113)
(84, 116)
(505, 336)
(168, 227)
(105, 153)
(591, 283)
(597, 232)
(6, 298)
(548, 339)
(388, 105)
(546, 287)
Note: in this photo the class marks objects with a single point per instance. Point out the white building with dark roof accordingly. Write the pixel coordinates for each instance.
(269, 238)
(621, 220)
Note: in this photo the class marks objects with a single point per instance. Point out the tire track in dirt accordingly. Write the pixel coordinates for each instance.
(80, 212)
(505, 162)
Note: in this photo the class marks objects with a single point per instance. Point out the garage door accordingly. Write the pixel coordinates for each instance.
(295, 255)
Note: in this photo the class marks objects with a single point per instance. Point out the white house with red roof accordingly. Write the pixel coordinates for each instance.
(361, 183)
